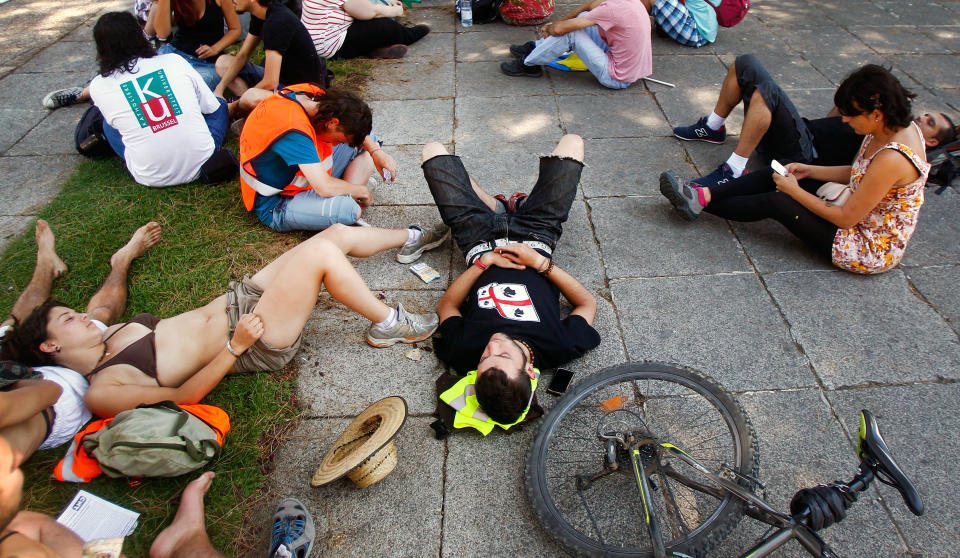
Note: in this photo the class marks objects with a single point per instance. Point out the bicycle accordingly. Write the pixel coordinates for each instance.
(688, 448)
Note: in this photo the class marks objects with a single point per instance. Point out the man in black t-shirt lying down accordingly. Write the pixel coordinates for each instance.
(501, 317)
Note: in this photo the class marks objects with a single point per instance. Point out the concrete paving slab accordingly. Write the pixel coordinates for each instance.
(82, 33)
(520, 119)
(382, 271)
(401, 515)
(628, 167)
(684, 106)
(788, 12)
(583, 83)
(412, 80)
(937, 222)
(771, 247)
(504, 168)
(790, 71)
(949, 37)
(484, 79)
(440, 19)
(813, 103)
(4, 70)
(643, 237)
(912, 420)
(64, 57)
(16, 55)
(23, 16)
(939, 286)
(415, 121)
(501, 523)
(802, 445)
(53, 135)
(855, 12)
(34, 41)
(26, 91)
(949, 97)
(17, 123)
(492, 45)
(627, 116)
(577, 251)
(921, 13)
(706, 156)
(25, 188)
(435, 47)
(825, 39)
(933, 70)
(897, 40)
(689, 72)
(666, 46)
(340, 374)
(864, 330)
(836, 66)
(736, 335)
(750, 35)
(409, 186)
(11, 228)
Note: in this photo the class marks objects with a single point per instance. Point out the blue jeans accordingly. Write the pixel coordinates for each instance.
(308, 211)
(217, 122)
(541, 216)
(206, 68)
(589, 47)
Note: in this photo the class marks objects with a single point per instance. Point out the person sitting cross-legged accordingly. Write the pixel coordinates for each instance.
(611, 37)
(501, 318)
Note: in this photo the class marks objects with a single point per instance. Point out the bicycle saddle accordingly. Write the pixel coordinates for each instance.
(874, 453)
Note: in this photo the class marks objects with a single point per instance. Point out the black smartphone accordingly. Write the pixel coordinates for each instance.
(561, 379)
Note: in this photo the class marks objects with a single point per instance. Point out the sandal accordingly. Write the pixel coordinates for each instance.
(293, 530)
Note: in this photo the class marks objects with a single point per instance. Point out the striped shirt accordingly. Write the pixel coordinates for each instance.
(327, 23)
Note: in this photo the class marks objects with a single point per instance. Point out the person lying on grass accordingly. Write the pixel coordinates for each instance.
(43, 408)
(256, 325)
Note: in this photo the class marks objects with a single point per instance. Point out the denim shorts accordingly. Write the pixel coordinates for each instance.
(540, 217)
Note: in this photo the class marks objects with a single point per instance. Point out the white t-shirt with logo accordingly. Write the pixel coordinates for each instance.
(158, 109)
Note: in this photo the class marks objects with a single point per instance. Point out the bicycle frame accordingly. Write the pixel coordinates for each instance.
(789, 528)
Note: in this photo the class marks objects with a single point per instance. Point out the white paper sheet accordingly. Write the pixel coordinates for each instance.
(91, 517)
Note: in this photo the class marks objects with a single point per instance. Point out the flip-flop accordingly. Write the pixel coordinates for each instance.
(292, 529)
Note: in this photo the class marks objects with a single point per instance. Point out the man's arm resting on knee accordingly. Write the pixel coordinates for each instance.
(26, 399)
(589, 5)
(239, 61)
(327, 186)
(559, 28)
(271, 71)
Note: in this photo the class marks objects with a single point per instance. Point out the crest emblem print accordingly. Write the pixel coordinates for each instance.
(510, 300)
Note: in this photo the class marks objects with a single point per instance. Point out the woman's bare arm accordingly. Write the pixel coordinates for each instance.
(26, 399)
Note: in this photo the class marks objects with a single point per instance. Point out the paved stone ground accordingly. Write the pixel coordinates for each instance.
(803, 345)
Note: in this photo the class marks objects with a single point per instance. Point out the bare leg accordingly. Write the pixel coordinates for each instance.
(26, 436)
(110, 301)
(292, 283)
(48, 532)
(49, 267)
(250, 99)
(186, 536)
(433, 149)
(730, 93)
(570, 145)
(756, 122)
(360, 169)
(362, 242)
(238, 86)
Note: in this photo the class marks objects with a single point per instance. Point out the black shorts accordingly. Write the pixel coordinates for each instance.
(540, 217)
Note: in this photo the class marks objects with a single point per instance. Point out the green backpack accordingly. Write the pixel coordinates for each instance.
(159, 440)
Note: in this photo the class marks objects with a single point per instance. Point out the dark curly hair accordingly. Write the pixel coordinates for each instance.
(872, 88)
(22, 342)
(502, 398)
(120, 42)
(354, 114)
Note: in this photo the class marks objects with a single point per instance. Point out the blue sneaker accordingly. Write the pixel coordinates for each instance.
(720, 175)
(293, 530)
(701, 132)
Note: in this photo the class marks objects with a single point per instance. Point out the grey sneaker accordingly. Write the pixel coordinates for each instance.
(62, 98)
(682, 195)
(409, 328)
(430, 239)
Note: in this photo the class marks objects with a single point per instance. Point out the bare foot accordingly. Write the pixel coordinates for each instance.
(46, 249)
(145, 237)
(188, 524)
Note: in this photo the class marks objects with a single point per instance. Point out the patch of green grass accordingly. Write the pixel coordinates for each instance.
(208, 239)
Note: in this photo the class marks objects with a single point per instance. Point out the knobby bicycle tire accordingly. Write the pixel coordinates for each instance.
(564, 510)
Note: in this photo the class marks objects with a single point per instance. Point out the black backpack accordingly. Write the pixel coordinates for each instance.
(944, 166)
(484, 11)
(88, 137)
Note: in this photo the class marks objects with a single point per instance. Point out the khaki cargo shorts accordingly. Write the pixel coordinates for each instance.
(242, 296)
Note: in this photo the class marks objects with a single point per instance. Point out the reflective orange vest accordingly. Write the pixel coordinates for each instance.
(78, 466)
(272, 119)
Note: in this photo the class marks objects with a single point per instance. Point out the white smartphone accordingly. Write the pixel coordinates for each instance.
(778, 168)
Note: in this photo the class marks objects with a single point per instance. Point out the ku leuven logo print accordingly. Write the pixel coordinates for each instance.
(152, 101)
(511, 301)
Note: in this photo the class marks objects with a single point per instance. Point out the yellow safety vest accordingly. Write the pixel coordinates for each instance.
(462, 396)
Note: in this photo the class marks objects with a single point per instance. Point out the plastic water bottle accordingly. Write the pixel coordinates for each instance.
(466, 13)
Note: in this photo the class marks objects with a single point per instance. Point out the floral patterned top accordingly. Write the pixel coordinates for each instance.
(878, 241)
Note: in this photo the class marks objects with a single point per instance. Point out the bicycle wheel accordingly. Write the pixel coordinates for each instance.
(603, 516)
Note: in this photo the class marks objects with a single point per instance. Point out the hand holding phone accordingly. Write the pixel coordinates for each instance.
(560, 381)
(778, 168)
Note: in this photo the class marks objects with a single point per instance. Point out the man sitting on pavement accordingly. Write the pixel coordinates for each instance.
(611, 37)
(773, 127)
(500, 319)
(289, 56)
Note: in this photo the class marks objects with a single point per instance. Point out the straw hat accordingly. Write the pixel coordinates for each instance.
(365, 452)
